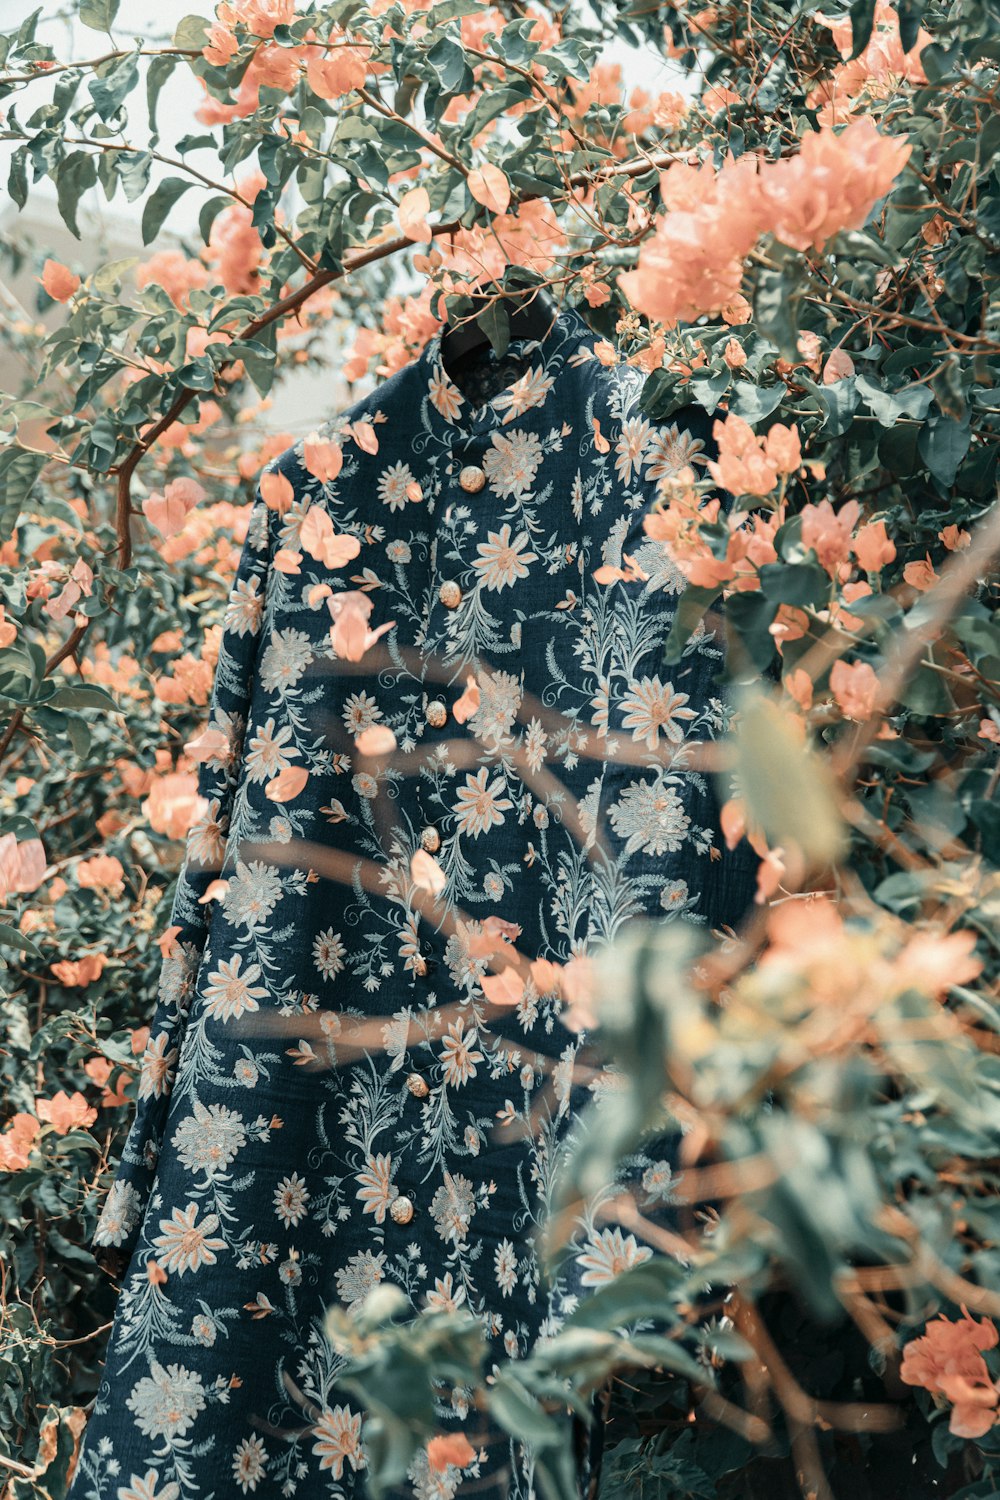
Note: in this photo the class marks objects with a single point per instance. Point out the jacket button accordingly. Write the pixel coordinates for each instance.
(401, 1209)
(472, 479)
(418, 1086)
(430, 839)
(437, 713)
(450, 594)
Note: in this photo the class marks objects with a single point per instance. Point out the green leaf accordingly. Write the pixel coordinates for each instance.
(159, 204)
(889, 406)
(495, 323)
(111, 88)
(12, 937)
(99, 15)
(802, 584)
(19, 469)
(943, 445)
(84, 697)
(750, 615)
(159, 70)
(862, 21)
(789, 790)
(192, 33)
(17, 178)
(74, 178)
(910, 14)
(519, 1413)
(691, 607)
(838, 402)
(755, 402)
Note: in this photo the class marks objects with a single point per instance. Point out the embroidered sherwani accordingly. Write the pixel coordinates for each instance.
(443, 764)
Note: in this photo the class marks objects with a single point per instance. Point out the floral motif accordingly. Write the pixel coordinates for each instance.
(340, 1090)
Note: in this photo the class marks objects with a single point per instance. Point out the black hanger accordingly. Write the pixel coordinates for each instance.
(495, 318)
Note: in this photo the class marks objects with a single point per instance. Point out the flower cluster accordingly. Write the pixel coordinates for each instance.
(693, 264)
(948, 1361)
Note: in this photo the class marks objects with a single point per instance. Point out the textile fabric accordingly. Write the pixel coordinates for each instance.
(332, 1037)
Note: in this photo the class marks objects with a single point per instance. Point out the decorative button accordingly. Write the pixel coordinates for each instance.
(472, 479)
(430, 839)
(437, 713)
(450, 594)
(418, 1085)
(401, 1209)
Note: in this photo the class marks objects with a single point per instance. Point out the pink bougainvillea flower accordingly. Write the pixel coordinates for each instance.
(322, 458)
(103, 872)
(839, 366)
(318, 538)
(873, 547)
(287, 785)
(276, 491)
(77, 973)
(947, 1361)
(169, 512)
(65, 1112)
(932, 961)
(830, 533)
(174, 804)
(465, 706)
(209, 745)
(16, 1141)
(832, 183)
(505, 988)
(921, 575)
(748, 465)
(449, 1448)
(955, 538)
(79, 583)
(22, 866)
(340, 71)
(59, 281)
(855, 687)
(349, 633)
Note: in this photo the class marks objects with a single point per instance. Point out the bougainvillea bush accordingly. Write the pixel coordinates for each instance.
(802, 235)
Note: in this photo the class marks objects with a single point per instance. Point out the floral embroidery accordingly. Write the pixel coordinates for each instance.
(321, 1089)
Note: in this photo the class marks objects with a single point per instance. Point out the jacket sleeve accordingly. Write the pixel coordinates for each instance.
(218, 775)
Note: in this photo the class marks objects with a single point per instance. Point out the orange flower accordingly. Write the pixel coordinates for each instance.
(451, 1448)
(465, 706)
(377, 739)
(873, 548)
(318, 538)
(66, 1112)
(287, 785)
(855, 687)
(947, 1361)
(322, 458)
(748, 466)
(103, 872)
(76, 973)
(168, 512)
(831, 184)
(173, 804)
(349, 633)
(59, 281)
(16, 1142)
(339, 72)
(921, 575)
(22, 866)
(828, 532)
